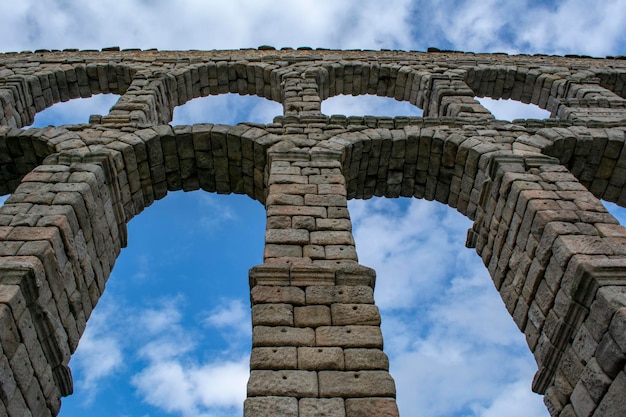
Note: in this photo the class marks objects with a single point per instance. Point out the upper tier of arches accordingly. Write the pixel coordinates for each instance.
(151, 83)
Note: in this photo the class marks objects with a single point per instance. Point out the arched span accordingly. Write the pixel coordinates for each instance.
(527, 85)
(433, 163)
(23, 150)
(215, 158)
(442, 163)
(22, 96)
(218, 77)
(354, 77)
(613, 79)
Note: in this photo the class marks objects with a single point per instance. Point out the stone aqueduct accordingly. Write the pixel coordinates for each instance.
(531, 187)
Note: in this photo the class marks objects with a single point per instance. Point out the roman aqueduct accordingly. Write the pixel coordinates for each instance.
(531, 187)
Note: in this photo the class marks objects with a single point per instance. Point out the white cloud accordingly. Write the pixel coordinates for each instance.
(506, 403)
(163, 356)
(175, 380)
(75, 111)
(230, 314)
(99, 354)
(214, 213)
(572, 26)
(189, 389)
(531, 26)
(227, 109)
(511, 109)
(207, 25)
(368, 105)
(411, 246)
(453, 347)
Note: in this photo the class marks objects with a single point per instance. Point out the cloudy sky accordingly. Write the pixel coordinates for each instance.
(171, 336)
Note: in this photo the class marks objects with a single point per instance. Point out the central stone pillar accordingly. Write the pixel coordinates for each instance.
(316, 343)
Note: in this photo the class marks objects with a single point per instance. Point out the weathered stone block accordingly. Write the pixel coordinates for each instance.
(277, 294)
(356, 384)
(314, 252)
(339, 294)
(284, 199)
(312, 316)
(364, 314)
(613, 403)
(303, 222)
(274, 358)
(582, 402)
(296, 211)
(341, 252)
(595, 380)
(618, 328)
(349, 336)
(366, 359)
(328, 200)
(282, 336)
(297, 384)
(322, 407)
(363, 407)
(294, 189)
(287, 236)
(9, 336)
(334, 224)
(272, 314)
(22, 368)
(282, 251)
(331, 237)
(271, 407)
(320, 358)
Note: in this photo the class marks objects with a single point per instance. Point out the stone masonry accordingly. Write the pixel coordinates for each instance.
(531, 187)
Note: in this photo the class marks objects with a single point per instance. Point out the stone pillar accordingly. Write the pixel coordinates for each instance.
(301, 95)
(557, 258)
(453, 97)
(60, 233)
(317, 343)
(144, 103)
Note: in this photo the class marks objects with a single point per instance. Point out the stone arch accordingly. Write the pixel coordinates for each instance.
(401, 82)
(216, 77)
(436, 93)
(594, 156)
(415, 161)
(24, 150)
(75, 206)
(215, 158)
(567, 93)
(534, 86)
(613, 80)
(22, 96)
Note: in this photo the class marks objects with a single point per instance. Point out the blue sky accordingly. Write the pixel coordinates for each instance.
(171, 335)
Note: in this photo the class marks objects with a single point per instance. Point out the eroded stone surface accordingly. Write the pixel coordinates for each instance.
(532, 189)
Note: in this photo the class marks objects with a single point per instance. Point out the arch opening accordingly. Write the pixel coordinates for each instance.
(616, 210)
(443, 322)
(75, 111)
(226, 109)
(510, 109)
(171, 335)
(369, 105)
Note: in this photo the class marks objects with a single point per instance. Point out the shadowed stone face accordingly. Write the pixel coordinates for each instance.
(532, 189)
